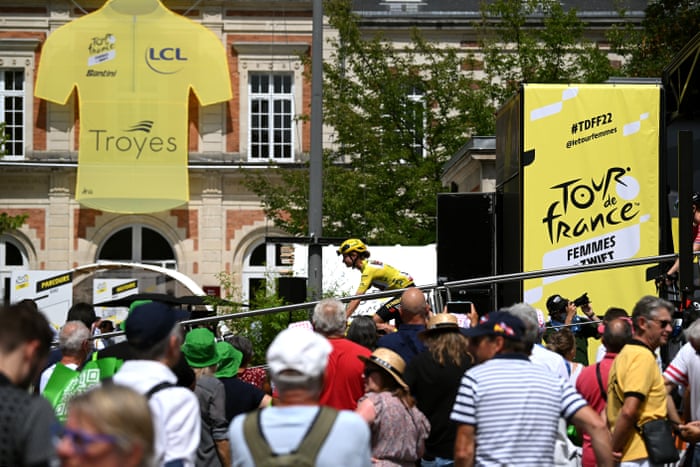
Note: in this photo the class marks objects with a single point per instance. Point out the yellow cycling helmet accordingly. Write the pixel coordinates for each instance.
(350, 245)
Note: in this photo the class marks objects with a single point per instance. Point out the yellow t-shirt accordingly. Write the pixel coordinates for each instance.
(382, 276)
(635, 371)
(133, 74)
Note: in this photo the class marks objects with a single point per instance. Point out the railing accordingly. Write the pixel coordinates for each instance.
(446, 286)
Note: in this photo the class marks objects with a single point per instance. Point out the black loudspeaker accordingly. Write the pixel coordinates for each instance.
(292, 289)
(465, 245)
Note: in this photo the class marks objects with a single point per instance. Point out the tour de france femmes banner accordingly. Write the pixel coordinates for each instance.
(591, 191)
(133, 64)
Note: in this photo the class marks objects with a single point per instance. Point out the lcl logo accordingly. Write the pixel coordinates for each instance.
(167, 53)
(163, 60)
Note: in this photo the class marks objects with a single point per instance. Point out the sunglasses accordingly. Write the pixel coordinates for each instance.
(663, 322)
(80, 440)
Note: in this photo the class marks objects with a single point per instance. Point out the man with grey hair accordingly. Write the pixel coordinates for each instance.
(154, 337)
(539, 354)
(684, 371)
(565, 452)
(74, 344)
(636, 388)
(297, 359)
(344, 383)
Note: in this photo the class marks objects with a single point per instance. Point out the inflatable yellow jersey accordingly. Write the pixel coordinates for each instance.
(133, 72)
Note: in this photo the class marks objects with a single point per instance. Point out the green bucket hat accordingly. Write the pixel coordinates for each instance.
(200, 348)
(231, 359)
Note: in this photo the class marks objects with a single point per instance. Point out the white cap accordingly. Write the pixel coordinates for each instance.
(300, 350)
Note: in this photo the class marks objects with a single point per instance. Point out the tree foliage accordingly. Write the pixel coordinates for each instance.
(546, 44)
(8, 222)
(399, 114)
(261, 329)
(667, 26)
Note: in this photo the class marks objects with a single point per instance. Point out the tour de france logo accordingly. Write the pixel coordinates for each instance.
(583, 206)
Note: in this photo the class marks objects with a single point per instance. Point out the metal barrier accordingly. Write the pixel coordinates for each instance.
(435, 287)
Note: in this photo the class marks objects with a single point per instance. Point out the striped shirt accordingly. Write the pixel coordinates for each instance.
(516, 407)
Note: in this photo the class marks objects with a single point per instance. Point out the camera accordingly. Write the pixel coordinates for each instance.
(583, 300)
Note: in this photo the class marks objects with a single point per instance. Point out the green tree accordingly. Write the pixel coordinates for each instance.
(667, 26)
(536, 41)
(261, 329)
(8, 222)
(398, 116)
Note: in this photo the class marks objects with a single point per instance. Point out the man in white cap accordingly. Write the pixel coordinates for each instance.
(297, 359)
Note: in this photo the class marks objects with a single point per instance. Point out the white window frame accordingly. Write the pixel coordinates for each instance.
(415, 95)
(268, 271)
(280, 122)
(18, 53)
(6, 95)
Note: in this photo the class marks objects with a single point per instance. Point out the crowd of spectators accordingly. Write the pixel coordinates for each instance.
(431, 393)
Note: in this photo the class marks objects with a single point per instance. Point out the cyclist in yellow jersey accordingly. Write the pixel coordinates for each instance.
(374, 274)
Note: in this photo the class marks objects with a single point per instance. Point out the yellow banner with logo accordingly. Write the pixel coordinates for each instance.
(591, 189)
(133, 65)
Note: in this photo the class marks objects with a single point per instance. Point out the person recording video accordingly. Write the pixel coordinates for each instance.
(562, 313)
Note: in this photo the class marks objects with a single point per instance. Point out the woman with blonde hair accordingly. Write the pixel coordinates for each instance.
(108, 426)
(398, 428)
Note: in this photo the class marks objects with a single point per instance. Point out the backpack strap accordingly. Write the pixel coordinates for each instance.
(603, 391)
(313, 440)
(257, 444)
(158, 387)
(310, 444)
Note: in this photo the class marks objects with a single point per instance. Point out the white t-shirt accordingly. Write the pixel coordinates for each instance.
(684, 370)
(551, 360)
(46, 375)
(347, 444)
(176, 414)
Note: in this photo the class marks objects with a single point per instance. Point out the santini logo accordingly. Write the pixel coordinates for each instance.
(124, 143)
(166, 61)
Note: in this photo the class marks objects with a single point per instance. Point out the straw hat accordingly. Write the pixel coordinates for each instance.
(440, 323)
(389, 361)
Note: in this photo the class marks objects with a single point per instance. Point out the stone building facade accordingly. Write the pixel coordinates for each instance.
(223, 226)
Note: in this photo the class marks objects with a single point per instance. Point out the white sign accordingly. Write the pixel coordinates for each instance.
(51, 290)
(105, 290)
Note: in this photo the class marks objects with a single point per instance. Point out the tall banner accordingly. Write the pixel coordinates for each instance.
(591, 189)
(132, 64)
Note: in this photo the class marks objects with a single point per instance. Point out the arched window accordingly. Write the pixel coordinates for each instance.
(138, 244)
(12, 257)
(263, 265)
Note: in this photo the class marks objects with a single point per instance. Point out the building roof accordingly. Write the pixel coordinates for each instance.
(472, 7)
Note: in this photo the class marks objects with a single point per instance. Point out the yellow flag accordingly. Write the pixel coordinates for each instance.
(133, 65)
